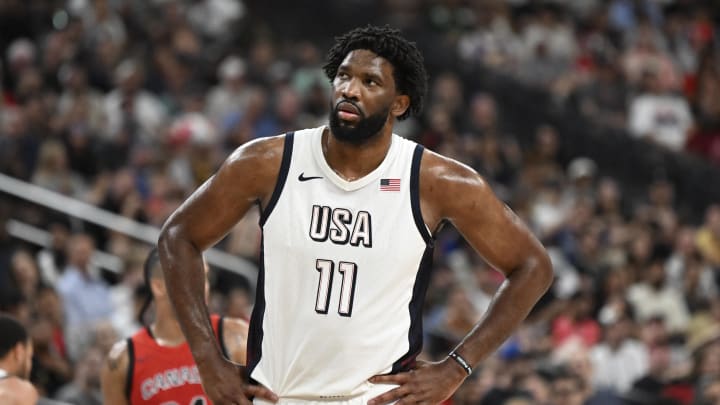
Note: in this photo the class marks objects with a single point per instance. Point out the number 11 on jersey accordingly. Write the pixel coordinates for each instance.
(348, 270)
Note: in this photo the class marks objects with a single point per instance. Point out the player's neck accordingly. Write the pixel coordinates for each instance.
(166, 329)
(352, 162)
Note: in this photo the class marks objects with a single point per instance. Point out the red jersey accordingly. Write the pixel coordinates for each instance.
(165, 375)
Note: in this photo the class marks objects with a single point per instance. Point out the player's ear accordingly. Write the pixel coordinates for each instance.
(19, 352)
(157, 285)
(400, 105)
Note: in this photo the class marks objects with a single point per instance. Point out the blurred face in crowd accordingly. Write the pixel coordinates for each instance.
(49, 306)
(81, 249)
(25, 271)
(656, 274)
(537, 387)
(363, 93)
(567, 391)
(617, 332)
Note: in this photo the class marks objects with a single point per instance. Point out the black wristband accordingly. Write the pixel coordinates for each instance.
(465, 365)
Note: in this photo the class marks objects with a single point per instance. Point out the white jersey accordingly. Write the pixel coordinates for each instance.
(344, 270)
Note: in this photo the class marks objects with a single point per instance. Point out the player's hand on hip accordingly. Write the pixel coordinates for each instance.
(225, 383)
(427, 383)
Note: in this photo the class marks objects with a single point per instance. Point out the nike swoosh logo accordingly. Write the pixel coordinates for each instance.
(302, 177)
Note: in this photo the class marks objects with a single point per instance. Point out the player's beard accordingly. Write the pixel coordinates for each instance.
(365, 128)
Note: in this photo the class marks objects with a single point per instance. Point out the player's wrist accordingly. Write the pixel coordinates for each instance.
(459, 364)
(206, 354)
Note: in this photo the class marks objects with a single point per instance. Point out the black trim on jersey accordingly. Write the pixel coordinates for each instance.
(255, 331)
(415, 332)
(220, 339)
(415, 195)
(130, 369)
(282, 177)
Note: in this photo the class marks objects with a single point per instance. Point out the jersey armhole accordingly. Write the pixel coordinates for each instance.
(282, 176)
(130, 368)
(415, 195)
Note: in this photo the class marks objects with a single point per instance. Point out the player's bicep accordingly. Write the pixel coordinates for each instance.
(490, 226)
(113, 377)
(246, 177)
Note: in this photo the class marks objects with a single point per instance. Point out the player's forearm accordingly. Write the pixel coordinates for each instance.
(185, 280)
(510, 306)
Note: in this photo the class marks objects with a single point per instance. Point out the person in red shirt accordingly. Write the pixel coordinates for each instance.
(155, 365)
(577, 322)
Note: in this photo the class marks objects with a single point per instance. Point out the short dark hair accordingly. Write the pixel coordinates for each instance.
(11, 333)
(405, 57)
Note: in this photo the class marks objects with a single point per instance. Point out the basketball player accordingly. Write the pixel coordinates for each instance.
(155, 366)
(15, 364)
(348, 215)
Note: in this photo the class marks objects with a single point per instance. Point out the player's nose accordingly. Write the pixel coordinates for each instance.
(351, 89)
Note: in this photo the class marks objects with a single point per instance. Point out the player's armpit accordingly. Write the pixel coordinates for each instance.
(235, 333)
(114, 375)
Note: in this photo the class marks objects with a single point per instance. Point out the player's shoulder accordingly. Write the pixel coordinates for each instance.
(18, 385)
(260, 148)
(437, 169)
(19, 388)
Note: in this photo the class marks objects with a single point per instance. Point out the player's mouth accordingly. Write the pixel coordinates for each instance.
(347, 111)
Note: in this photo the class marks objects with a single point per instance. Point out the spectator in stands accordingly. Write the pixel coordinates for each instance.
(51, 369)
(133, 114)
(659, 116)
(653, 297)
(619, 359)
(708, 236)
(604, 99)
(85, 296)
(84, 389)
(576, 322)
(53, 171)
(25, 274)
(51, 260)
(230, 95)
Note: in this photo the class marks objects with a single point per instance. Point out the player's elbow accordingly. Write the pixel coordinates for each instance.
(541, 271)
(170, 237)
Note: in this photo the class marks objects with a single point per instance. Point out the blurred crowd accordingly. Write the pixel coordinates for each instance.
(130, 105)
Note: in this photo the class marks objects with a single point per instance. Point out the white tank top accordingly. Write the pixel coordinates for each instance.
(344, 270)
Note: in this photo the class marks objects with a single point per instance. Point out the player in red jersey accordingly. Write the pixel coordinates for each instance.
(155, 365)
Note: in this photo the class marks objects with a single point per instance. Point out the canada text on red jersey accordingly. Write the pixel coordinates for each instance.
(162, 375)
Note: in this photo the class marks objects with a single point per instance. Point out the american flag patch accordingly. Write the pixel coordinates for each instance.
(389, 184)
